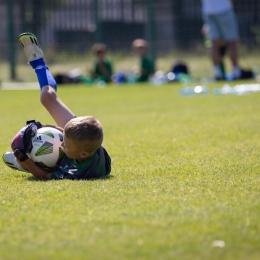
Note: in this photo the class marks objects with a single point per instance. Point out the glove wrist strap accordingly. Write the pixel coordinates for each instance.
(20, 156)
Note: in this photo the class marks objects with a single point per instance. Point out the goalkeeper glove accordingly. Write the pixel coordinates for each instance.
(22, 142)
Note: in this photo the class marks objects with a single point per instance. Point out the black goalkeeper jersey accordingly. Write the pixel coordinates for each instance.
(99, 164)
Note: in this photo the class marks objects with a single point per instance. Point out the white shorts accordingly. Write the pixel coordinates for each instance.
(222, 26)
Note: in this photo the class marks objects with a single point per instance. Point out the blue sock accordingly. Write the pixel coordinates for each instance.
(43, 74)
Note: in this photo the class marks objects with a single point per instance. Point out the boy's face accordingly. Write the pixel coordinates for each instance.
(100, 55)
(140, 50)
(71, 149)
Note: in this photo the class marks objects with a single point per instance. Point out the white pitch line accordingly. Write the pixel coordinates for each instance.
(19, 86)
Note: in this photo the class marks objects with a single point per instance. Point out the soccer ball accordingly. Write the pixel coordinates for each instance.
(47, 151)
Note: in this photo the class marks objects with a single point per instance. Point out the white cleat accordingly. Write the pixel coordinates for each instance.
(31, 47)
(10, 160)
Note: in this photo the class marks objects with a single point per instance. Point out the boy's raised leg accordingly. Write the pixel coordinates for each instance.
(57, 109)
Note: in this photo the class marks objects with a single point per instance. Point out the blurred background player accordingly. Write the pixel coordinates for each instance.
(102, 70)
(222, 49)
(221, 20)
(146, 69)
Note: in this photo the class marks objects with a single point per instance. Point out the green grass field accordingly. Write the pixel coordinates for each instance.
(185, 173)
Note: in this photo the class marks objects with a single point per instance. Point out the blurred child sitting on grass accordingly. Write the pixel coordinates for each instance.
(146, 69)
(102, 70)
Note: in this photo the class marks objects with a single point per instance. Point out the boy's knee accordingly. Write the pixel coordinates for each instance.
(48, 95)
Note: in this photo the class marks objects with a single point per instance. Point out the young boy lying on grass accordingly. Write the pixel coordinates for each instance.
(84, 157)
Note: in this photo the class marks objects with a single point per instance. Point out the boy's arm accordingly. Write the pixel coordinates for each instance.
(106, 71)
(53, 126)
(35, 170)
(94, 71)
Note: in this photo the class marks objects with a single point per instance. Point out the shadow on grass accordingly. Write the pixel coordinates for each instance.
(107, 177)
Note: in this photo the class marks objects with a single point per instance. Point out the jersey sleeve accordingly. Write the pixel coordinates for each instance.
(98, 165)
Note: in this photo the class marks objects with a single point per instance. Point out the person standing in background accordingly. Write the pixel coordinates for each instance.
(222, 22)
(222, 49)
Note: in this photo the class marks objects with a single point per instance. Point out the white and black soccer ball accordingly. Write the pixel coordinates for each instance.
(47, 151)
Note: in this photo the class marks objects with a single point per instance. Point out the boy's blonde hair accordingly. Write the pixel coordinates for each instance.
(140, 43)
(86, 131)
(99, 47)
